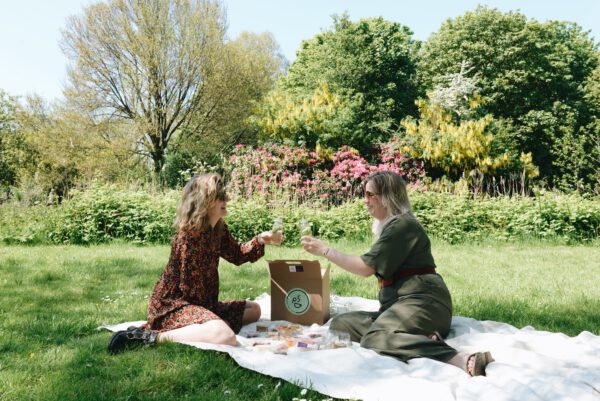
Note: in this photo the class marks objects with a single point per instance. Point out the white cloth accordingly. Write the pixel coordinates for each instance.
(529, 365)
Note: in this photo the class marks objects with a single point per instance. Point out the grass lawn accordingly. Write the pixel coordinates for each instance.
(53, 298)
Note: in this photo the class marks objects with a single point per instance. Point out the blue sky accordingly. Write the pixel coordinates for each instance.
(31, 60)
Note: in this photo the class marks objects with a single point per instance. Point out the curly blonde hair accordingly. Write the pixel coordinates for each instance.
(199, 194)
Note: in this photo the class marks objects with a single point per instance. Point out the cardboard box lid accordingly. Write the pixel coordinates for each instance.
(309, 269)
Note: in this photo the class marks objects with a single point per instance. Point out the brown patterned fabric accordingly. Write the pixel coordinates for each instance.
(187, 291)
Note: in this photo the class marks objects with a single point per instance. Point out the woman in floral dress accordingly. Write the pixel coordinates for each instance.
(185, 303)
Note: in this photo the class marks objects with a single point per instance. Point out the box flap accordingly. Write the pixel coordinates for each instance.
(307, 269)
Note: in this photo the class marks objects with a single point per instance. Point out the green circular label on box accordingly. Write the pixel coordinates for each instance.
(297, 301)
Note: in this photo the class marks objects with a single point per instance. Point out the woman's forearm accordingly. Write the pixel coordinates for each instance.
(350, 263)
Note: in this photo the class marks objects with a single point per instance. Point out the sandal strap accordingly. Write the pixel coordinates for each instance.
(147, 336)
(482, 359)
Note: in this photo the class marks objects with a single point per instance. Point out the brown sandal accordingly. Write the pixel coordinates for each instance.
(482, 359)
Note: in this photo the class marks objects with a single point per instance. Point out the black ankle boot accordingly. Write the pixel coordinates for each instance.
(132, 337)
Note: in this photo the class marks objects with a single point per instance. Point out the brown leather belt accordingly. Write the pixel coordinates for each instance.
(405, 273)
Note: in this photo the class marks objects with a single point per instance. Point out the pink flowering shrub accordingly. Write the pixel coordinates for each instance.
(411, 170)
(271, 171)
(283, 172)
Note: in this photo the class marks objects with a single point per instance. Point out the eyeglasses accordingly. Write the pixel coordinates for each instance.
(222, 196)
(369, 194)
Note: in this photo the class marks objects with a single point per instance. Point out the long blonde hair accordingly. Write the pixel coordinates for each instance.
(391, 189)
(199, 194)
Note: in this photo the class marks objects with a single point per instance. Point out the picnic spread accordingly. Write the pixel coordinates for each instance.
(529, 364)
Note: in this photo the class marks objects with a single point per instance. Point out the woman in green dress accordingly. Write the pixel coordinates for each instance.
(415, 305)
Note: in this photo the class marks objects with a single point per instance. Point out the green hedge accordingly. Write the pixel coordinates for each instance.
(350, 220)
(107, 213)
(551, 216)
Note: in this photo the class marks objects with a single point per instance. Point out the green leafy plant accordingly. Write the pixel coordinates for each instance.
(104, 214)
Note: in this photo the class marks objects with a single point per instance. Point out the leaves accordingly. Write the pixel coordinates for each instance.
(306, 122)
(166, 67)
(368, 66)
(458, 148)
(105, 214)
(527, 72)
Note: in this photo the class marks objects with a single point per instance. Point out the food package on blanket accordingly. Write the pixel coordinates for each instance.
(288, 339)
(299, 291)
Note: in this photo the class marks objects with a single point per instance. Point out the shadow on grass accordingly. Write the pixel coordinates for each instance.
(163, 372)
(51, 350)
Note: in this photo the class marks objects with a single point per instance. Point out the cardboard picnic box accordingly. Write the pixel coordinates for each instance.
(299, 291)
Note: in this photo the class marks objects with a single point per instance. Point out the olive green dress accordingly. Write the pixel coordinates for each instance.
(413, 307)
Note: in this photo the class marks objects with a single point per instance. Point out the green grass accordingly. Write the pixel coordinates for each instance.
(53, 298)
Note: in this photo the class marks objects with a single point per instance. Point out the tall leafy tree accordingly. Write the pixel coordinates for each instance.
(591, 142)
(9, 142)
(532, 74)
(164, 65)
(592, 88)
(251, 64)
(66, 149)
(305, 122)
(369, 65)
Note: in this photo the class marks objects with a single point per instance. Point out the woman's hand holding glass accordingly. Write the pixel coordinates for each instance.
(270, 238)
(313, 245)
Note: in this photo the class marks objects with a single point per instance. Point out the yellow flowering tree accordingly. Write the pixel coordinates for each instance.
(459, 147)
(304, 121)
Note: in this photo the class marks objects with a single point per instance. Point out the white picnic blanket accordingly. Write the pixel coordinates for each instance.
(529, 365)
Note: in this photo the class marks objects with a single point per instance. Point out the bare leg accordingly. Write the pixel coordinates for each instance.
(463, 360)
(214, 332)
(251, 313)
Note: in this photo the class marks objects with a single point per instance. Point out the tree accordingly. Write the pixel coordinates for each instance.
(250, 65)
(458, 149)
(10, 142)
(67, 149)
(528, 73)
(149, 62)
(457, 93)
(306, 123)
(592, 88)
(369, 65)
(450, 137)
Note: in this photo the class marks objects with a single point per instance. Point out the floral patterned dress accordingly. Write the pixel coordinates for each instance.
(187, 291)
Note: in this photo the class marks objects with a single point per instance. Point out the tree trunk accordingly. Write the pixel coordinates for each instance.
(158, 158)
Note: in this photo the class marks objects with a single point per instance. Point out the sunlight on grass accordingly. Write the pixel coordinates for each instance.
(53, 298)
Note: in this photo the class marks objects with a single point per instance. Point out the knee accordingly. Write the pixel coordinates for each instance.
(372, 339)
(251, 313)
(214, 332)
(340, 323)
(254, 311)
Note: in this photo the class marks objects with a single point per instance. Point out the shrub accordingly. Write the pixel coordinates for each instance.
(107, 213)
(299, 174)
(548, 216)
(27, 225)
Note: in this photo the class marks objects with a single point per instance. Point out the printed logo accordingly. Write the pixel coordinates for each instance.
(297, 301)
